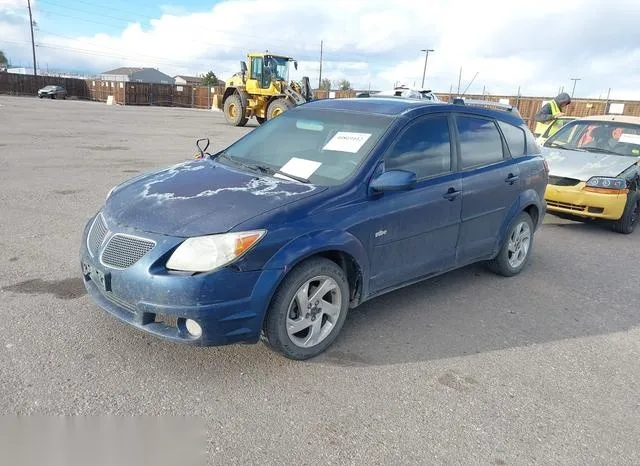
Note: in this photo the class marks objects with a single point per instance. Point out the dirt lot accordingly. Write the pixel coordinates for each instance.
(468, 368)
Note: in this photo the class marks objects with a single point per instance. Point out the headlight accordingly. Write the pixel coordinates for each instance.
(207, 253)
(607, 182)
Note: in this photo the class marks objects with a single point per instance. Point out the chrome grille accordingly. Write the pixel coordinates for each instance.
(96, 234)
(123, 251)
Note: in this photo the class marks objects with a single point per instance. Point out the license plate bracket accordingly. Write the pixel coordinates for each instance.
(100, 278)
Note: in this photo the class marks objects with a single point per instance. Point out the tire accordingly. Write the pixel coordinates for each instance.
(520, 235)
(285, 309)
(234, 111)
(277, 107)
(629, 220)
(261, 120)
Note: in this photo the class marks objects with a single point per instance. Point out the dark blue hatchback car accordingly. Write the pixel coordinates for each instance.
(326, 206)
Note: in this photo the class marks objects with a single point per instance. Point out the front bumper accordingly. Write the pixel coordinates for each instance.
(573, 200)
(228, 305)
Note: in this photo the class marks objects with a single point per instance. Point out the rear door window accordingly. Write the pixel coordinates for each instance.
(480, 141)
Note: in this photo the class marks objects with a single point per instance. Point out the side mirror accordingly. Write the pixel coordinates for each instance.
(394, 180)
(243, 66)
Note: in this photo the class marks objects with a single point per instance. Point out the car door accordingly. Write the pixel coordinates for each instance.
(414, 233)
(490, 185)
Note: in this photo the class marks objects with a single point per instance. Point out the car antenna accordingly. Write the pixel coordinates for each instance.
(202, 152)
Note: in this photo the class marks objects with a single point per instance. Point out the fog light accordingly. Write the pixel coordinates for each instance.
(193, 328)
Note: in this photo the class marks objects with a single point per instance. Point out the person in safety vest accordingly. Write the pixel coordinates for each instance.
(549, 112)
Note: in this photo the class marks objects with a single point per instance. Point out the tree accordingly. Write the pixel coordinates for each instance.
(325, 84)
(210, 79)
(344, 85)
(4, 61)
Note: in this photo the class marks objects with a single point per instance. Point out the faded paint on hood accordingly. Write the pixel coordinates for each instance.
(584, 165)
(199, 198)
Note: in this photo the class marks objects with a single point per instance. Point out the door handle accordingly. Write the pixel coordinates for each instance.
(451, 194)
(511, 178)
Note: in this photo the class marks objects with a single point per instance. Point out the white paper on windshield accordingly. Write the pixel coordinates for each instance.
(629, 138)
(302, 168)
(345, 141)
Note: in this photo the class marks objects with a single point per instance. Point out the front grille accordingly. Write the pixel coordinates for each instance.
(123, 251)
(561, 181)
(96, 234)
(566, 205)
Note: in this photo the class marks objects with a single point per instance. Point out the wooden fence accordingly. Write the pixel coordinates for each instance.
(130, 93)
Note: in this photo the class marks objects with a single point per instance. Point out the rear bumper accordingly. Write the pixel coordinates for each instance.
(573, 200)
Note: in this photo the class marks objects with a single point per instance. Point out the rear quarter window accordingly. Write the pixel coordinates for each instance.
(515, 137)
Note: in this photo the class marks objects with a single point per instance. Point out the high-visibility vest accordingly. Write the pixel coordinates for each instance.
(541, 126)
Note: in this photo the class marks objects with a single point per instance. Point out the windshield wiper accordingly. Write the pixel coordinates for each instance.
(260, 168)
(557, 146)
(273, 171)
(599, 150)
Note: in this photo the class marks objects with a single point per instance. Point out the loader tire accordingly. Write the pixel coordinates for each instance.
(278, 107)
(234, 111)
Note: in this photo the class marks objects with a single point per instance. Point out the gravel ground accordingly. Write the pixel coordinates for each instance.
(468, 368)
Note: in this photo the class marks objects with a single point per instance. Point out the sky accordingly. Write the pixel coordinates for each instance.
(500, 45)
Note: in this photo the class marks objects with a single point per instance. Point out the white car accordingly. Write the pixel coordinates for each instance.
(402, 91)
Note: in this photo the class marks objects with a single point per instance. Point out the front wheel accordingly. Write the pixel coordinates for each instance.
(516, 250)
(308, 310)
(277, 107)
(629, 219)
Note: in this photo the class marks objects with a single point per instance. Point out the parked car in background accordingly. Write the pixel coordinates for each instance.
(594, 172)
(403, 91)
(556, 125)
(329, 205)
(53, 92)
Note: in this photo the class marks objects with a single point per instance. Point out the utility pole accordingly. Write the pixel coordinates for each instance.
(320, 77)
(459, 79)
(33, 44)
(574, 85)
(426, 57)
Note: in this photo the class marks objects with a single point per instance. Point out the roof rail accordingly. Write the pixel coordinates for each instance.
(485, 103)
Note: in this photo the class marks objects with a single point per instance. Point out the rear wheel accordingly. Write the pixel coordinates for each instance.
(629, 219)
(234, 111)
(516, 250)
(308, 310)
(278, 107)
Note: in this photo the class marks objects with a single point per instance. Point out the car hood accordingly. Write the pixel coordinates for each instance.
(198, 198)
(584, 165)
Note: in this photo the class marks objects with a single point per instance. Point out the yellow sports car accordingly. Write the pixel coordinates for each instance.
(594, 170)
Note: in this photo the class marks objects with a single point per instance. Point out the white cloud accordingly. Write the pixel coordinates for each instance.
(538, 47)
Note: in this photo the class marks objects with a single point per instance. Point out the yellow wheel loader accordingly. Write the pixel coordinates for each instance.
(260, 90)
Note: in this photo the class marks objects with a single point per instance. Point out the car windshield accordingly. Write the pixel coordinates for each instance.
(610, 137)
(49, 88)
(278, 66)
(319, 146)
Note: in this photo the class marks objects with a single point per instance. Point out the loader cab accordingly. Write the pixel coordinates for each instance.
(265, 68)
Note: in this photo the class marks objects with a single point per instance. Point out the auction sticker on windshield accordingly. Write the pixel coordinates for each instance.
(630, 138)
(301, 168)
(344, 141)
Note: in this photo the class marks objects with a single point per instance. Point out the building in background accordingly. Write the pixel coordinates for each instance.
(140, 75)
(183, 80)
